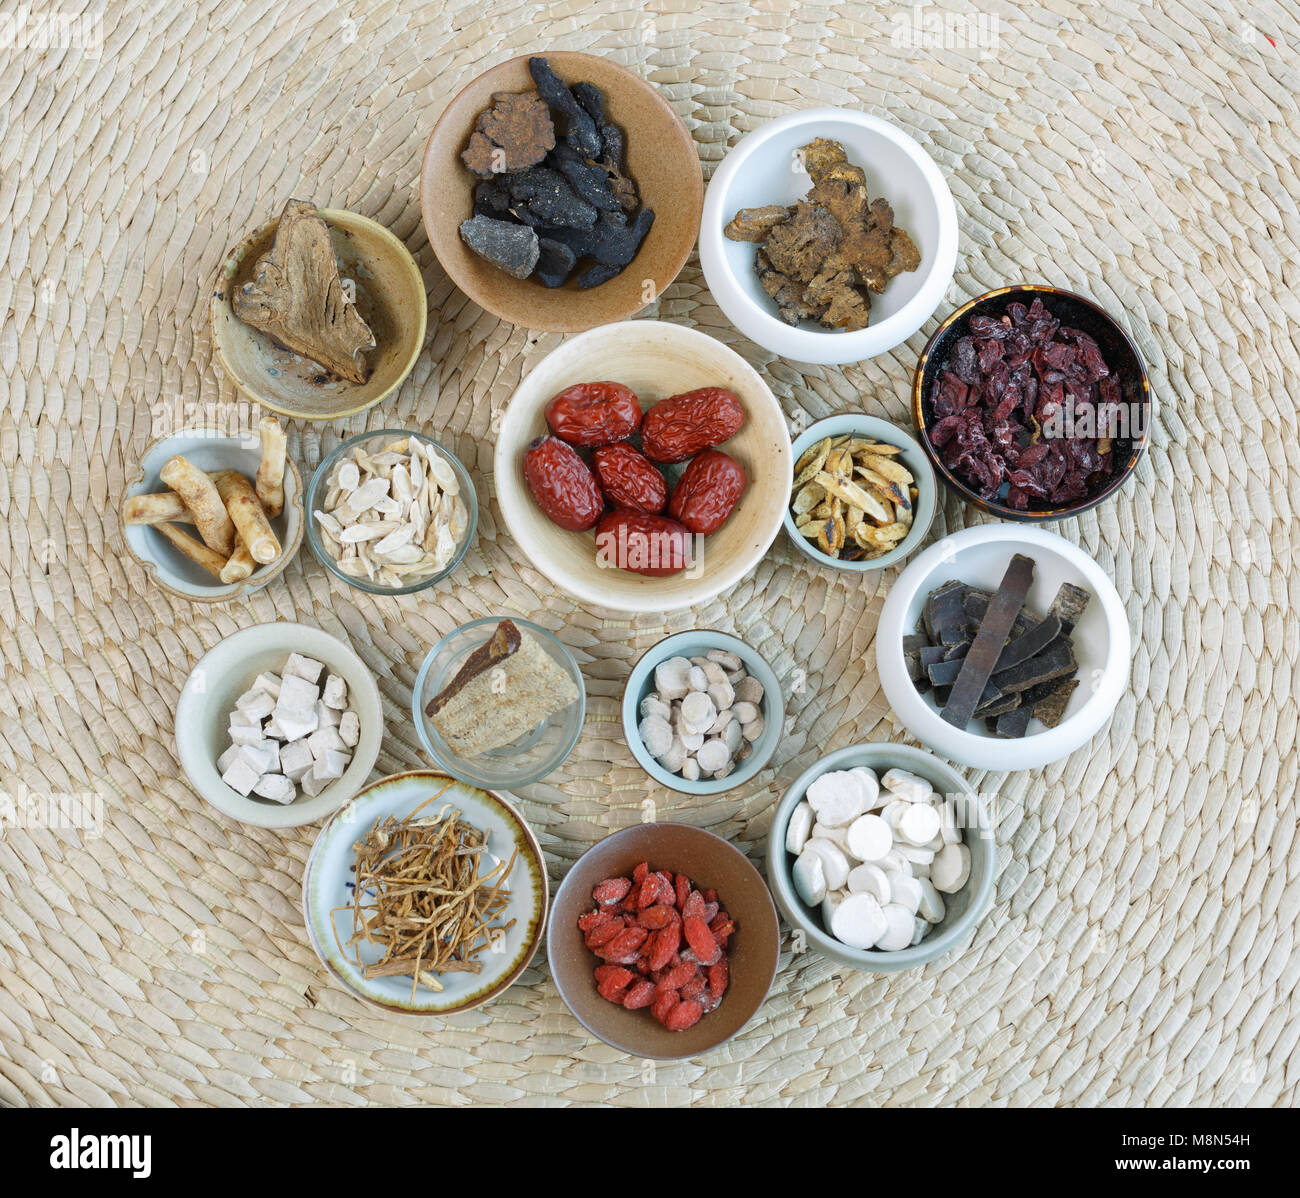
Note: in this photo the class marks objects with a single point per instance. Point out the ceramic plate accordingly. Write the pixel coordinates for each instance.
(327, 885)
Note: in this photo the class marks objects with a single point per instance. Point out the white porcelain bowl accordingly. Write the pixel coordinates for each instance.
(209, 449)
(656, 360)
(224, 673)
(979, 556)
(762, 169)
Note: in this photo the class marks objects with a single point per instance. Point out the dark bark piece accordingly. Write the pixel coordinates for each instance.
(999, 706)
(1051, 709)
(607, 243)
(296, 297)
(580, 131)
(945, 614)
(509, 247)
(1069, 604)
(547, 197)
(514, 133)
(983, 655)
(1014, 723)
(504, 641)
(1028, 643)
(1056, 661)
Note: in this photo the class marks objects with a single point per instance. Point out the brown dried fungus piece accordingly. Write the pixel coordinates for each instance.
(754, 224)
(797, 247)
(786, 293)
(515, 132)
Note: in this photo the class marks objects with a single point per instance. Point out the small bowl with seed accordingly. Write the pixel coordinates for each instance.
(864, 493)
(703, 712)
(391, 512)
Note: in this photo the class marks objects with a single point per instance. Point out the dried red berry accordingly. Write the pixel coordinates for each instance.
(679, 427)
(629, 479)
(594, 414)
(562, 484)
(685, 1014)
(707, 492)
(611, 890)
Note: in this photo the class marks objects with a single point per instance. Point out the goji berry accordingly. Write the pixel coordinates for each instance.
(677, 976)
(718, 978)
(628, 941)
(611, 987)
(663, 1006)
(656, 917)
(650, 892)
(639, 873)
(682, 885)
(710, 912)
(603, 934)
(611, 891)
(710, 896)
(665, 945)
(611, 971)
(683, 1015)
(722, 930)
(639, 994)
(593, 919)
(695, 987)
(694, 906)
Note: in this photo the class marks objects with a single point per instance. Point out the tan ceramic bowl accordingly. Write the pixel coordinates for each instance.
(390, 297)
(656, 360)
(661, 157)
(711, 863)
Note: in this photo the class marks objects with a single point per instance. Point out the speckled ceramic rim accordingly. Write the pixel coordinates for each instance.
(526, 954)
(321, 473)
(926, 487)
(452, 766)
(773, 711)
(1002, 512)
(221, 592)
(560, 976)
(979, 884)
(342, 219)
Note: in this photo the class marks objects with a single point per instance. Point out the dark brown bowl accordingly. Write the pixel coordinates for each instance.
(661, 157)
(711, 863)
(1078, 312)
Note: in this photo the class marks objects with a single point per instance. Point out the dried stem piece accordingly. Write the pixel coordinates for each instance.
(419, 896)
(297, 298)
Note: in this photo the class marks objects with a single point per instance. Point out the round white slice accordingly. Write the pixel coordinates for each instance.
(870, 838)
(809, 876)
(912, 855)
(894, 859)
(919, 929)
(837, 836)
(950, 868)
(870, 879)
(892, 812)
(837, 798)
(829, 904)
(931, 909)
(698, 711)
(898, 928)
(834, 863)
(796, 831)
(904, 890)
(919, 823)
(870, 785)
(859, 921)
(907, 786)
(948, 822)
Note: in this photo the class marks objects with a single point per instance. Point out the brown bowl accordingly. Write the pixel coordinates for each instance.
(711, 863)
(661, 157)
(1116, 347)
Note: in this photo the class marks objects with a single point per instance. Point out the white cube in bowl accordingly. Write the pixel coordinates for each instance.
(979, 557)
(229, 669)
(764, 168)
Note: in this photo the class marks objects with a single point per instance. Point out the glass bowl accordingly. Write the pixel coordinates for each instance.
(380, 437)
(535, 754)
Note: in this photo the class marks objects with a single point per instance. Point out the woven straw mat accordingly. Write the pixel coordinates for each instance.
(1141, 944)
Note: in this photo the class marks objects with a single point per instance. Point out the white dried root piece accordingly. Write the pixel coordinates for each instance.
(852, 498)
(393, 517)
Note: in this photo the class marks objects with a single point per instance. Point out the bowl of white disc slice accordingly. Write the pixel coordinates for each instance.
(882, 856)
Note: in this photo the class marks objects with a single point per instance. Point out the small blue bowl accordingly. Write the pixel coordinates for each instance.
(859, 424)
(697, 643)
